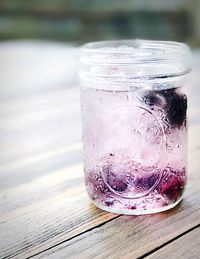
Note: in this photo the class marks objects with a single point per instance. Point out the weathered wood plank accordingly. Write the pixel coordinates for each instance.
(46, 213)
(187, 246)
(131, 237)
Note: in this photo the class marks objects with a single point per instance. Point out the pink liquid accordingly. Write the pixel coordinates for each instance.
(135, 145)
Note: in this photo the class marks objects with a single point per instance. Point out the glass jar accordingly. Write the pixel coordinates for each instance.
(134, 124)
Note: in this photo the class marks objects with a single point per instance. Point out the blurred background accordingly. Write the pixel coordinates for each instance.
(78, 21)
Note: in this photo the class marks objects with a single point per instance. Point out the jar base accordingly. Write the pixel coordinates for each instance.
(136, 212)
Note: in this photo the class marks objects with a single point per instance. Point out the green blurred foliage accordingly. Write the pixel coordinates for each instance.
(88, 20)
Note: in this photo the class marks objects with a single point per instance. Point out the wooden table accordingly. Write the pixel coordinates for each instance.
(45, 210)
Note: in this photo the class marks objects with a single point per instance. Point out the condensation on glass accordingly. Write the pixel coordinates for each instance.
(134, 124)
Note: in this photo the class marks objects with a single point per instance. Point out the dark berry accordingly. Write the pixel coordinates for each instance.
(117, 182)
(132, 207)
(150, 98)
(172, 187)
(146, 183)
(152, 180)
(167, 93)
(176, 106)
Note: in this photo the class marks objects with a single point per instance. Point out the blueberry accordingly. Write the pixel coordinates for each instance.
(176, 106)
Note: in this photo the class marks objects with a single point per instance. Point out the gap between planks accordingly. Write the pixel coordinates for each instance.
(168, 242)
(100, 225)
(88, 230)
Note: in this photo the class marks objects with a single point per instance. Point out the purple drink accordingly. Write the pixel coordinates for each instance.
(135, 145)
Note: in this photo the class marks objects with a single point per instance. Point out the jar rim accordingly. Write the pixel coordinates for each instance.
(116, 45)
(132, 61)
(138, 50)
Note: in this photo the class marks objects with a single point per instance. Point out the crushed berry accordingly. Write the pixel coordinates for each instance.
(102, 184)
(172, 188)
(146, 182)
(152, 179)
(176, 106)
(117, 183)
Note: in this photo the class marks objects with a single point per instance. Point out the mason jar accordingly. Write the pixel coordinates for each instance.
(134, 124)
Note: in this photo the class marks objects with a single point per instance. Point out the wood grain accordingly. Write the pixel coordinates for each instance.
(44, 209)
(186, 247)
